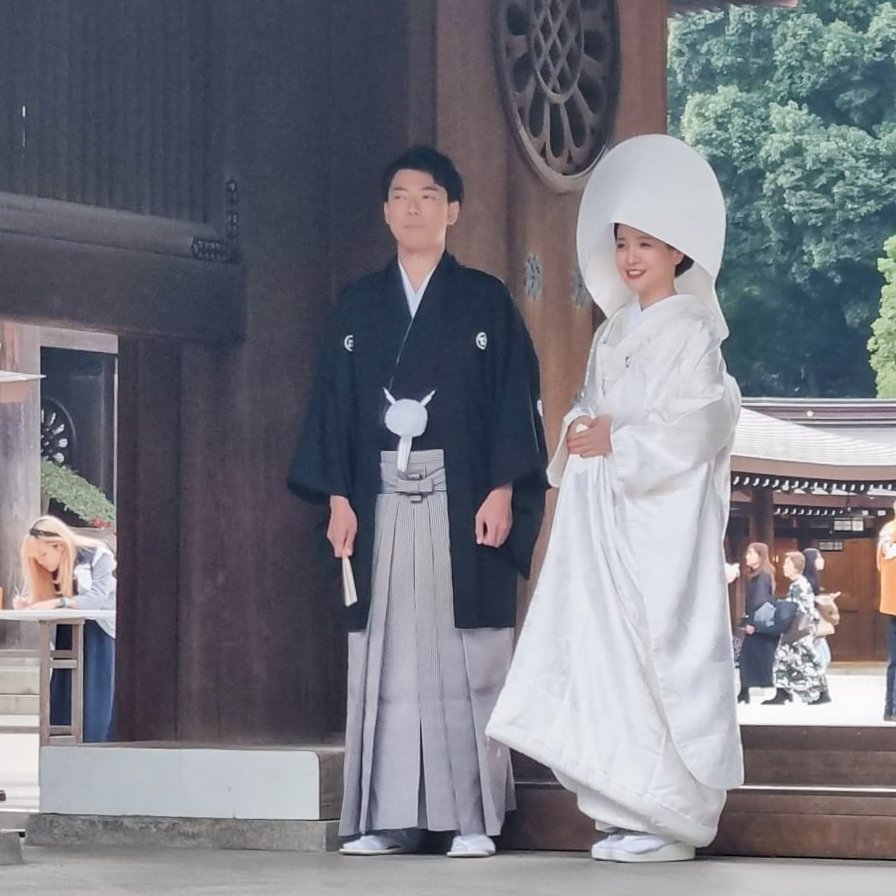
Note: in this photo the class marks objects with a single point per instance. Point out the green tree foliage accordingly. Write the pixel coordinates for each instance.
(796, 110)
(883, 338)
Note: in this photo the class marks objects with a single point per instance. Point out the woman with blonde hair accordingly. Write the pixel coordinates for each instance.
(65, 570)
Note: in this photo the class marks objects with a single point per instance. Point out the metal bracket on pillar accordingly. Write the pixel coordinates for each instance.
(222, 250)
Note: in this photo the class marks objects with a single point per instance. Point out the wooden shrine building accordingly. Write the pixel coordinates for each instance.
(198, 178)
(797, 483)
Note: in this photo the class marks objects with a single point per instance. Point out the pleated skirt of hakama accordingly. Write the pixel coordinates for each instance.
(421, 691)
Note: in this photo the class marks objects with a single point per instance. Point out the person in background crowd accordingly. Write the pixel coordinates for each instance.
(797, 666)
(829, 615)
(886, 563)
(757, 655)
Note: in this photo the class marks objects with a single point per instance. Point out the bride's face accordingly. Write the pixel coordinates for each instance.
(645, 263)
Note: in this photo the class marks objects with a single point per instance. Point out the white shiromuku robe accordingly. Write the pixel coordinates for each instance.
(623, 677)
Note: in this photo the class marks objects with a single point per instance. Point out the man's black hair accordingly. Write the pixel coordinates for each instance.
(685, 264)
(431, 161)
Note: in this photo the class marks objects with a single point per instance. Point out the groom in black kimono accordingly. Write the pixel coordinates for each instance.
(423, 433)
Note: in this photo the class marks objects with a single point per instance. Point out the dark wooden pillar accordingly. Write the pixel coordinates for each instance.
(762, 517)
(19, 458)
(148, 539)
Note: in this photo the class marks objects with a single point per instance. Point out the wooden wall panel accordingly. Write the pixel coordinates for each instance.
(260, 649)
(853, 572)
(103, 102)
(381, 98)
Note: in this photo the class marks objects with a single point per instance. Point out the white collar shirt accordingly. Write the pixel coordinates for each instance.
(414, 297)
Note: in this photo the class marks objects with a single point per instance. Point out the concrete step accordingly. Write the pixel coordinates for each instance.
(19, 704)
(10, 848)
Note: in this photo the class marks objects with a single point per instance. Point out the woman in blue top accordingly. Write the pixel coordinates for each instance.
(64, 570)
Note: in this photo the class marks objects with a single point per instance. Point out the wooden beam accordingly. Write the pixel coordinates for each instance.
(121, 291)
(78, 340)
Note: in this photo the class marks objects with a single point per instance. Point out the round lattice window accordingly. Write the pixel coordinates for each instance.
(559, 67)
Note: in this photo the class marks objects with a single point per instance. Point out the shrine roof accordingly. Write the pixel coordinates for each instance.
(790, 455)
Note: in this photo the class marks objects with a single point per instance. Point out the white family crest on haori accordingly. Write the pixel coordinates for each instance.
(623, 677)
(407, 419)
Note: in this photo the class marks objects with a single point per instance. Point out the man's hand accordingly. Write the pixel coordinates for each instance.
(591, 441)
(750, 629)
(495, 517)
(343, 527)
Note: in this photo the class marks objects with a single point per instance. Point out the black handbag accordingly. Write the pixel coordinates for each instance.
(785, 613)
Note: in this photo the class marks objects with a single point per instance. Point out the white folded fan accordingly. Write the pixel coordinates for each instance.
(349, 592)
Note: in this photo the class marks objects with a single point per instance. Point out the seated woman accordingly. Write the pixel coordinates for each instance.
(64, 570)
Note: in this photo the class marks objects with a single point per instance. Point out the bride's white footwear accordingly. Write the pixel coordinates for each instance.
(601, 848)
(633, 847)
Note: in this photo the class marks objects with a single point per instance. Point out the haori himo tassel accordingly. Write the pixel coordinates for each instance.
(407, 419)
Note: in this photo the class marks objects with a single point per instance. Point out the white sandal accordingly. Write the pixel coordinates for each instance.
(392, 844)
(471, 846)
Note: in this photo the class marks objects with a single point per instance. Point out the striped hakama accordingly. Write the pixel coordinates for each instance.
(421, 691)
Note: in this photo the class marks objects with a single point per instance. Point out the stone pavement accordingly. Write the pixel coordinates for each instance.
(152, 872)
(857, 692)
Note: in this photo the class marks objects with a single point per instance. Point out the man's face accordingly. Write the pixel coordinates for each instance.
(418, 212)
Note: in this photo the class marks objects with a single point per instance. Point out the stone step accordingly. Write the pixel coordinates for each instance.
(19, 704)
(831, 822)
(196, 833)
(10, 848)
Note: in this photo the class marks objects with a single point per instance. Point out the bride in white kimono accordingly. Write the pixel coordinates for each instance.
(623, 678)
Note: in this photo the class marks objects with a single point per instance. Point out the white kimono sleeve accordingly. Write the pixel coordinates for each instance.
(580, 408)
(692, 423)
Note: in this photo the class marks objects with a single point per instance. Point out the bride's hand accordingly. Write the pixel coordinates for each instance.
(580, 423)
(593, 440)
